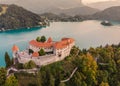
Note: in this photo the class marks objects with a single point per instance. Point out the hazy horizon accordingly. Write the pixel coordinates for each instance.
(42, 6)
(84, 1)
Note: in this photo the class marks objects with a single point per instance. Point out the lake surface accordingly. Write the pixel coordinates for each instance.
(86, 34)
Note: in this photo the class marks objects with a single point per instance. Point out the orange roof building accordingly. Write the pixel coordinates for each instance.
(15, 48)
(54, 51)
(35, 54)
(64, 46)
(49, 40)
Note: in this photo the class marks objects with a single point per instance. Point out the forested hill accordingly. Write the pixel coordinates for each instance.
(95, 67)
(13, 16)
(112, 13)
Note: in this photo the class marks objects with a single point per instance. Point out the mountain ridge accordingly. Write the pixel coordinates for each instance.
(17, 17)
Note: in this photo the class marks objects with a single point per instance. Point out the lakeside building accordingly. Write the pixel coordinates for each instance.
(55, 51)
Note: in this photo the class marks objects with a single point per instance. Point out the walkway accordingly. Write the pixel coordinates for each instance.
(34, 70)
(70, 75)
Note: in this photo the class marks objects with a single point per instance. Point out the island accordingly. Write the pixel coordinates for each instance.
(106, 23)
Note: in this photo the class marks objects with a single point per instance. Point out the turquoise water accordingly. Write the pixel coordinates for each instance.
(86, 34)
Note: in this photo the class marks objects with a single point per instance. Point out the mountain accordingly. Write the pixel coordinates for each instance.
(112, 13)
(84, 10)
(13, 16)
(68, 7)
(43, 6)
(81, 10)
(104, 5)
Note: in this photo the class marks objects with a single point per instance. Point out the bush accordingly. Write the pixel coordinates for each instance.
(31, 64)
(41, 52)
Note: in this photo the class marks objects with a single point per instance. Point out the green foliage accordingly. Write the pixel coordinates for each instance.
(29, 65)
(96, 67)
(62, 84)
(57, 80)
(20, 66)
(41, 52)
(7, 60)
(104, 84)
(49, 79)
(11, 81)
(38, 39)
(43, 39)
(14, 18)
(2, 76)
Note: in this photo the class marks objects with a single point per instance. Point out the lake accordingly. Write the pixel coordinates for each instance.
(86, 34)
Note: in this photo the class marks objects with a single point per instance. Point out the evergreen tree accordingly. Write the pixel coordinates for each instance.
(7, 60)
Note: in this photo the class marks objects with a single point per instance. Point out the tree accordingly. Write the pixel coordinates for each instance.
(88, 67)
(38, 39)
(77, 79)
(43, 39)
(41, 52)
(57, 80)
(7, 60)
(102, 75)
(49, 79)
(2, 76)
(62, 84)
(30, 51)
(104, 84)
(29, 65)
(11, 81)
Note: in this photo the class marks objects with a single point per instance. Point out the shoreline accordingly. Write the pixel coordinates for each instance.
(22, 28)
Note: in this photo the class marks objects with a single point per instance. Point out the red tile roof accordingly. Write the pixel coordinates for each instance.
(40, 44)
(35, 54)
(58, 45)
(15, 48)
(63, 43)
(49, 40)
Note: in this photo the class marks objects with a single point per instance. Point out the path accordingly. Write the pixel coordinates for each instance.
(70, 75)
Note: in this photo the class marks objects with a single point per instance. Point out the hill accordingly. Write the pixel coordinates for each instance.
(95, 67)
(112, 13)
(83, 10)
(104, 5)
(13, 16)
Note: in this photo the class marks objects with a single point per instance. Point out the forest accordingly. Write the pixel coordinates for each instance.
(98, 66)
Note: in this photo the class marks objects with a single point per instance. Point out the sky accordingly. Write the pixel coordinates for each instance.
(84, 1)
(93, 1)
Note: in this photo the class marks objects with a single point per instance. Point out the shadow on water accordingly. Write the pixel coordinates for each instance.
(21, 30)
